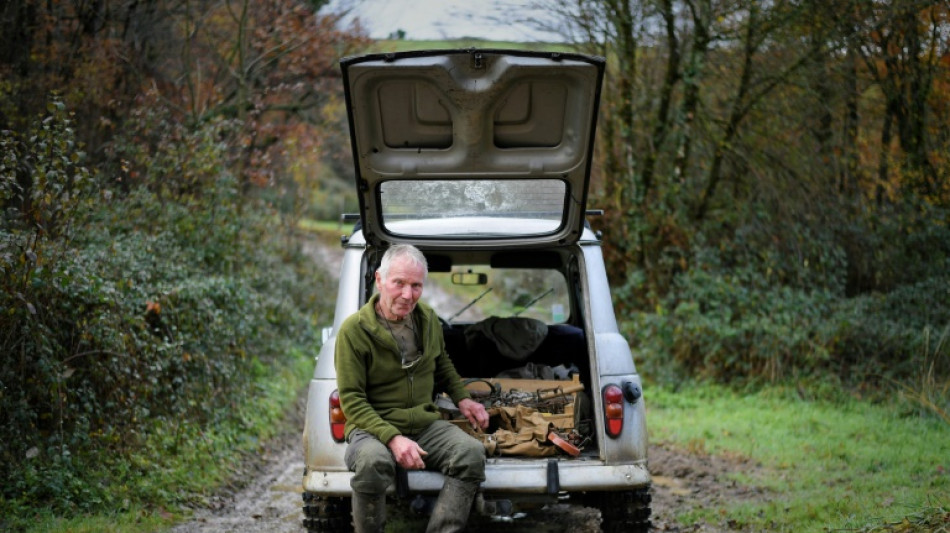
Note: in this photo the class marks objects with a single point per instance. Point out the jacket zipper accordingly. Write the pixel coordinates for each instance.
(410, 374)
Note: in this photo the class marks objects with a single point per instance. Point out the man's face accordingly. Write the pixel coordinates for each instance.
(401, 289)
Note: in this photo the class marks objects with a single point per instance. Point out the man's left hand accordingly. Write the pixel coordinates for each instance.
(474, 412)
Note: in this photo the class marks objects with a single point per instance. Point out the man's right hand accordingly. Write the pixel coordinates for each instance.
(407, 452)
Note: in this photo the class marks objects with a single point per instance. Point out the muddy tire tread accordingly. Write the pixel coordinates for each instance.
(625, 511)
(326, 514)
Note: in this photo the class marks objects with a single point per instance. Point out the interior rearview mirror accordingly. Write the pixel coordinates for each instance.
(469, 278)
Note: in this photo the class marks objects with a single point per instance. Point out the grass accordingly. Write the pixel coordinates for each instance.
(191, 473)
(330, 227)
(138, 520)
(848, 467)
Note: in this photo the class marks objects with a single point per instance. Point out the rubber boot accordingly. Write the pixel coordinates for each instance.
(369, 512)
(452, 508)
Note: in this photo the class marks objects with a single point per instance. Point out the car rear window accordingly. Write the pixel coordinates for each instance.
(470, 208)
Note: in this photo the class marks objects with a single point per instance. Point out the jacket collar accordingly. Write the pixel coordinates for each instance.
(370, 323)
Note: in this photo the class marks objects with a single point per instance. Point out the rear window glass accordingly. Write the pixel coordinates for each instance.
(469, 208)
(503, 292)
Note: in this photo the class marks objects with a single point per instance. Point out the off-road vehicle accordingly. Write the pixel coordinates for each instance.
(481, 159)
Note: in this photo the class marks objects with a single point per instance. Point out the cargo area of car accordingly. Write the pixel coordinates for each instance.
(563, 346)
(553, 381)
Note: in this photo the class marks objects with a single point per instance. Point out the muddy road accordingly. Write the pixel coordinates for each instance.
(265, 496)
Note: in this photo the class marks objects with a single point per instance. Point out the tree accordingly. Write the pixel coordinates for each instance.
(269, 67)
(717, 112)
(904, 48)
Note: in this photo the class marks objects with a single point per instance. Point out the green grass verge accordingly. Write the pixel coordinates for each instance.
(849, 467)
(332, 227)
(184, 466)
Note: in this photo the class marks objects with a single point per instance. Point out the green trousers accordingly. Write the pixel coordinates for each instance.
(451, 451)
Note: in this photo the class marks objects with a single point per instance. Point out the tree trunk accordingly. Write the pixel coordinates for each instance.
(661, 120)
(691, 78)
(849, 173)
(736, 115)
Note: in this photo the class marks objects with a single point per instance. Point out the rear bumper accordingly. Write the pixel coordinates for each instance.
(507, 476)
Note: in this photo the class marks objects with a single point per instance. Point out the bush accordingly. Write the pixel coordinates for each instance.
(733, 325)
(728, 327)
(128, 312)
(888, 337)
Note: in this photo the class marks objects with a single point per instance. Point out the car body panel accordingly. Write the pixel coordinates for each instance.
(505, 476)
(475, 115)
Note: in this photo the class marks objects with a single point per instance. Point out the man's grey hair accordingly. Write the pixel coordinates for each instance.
(402, 251)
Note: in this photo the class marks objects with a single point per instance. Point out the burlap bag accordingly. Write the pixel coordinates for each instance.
(515, 430)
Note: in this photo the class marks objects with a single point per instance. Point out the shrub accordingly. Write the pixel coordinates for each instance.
(732, 325)
(129, 312)
(729, 327)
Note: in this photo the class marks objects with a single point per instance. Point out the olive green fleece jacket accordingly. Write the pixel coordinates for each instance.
(376, 393)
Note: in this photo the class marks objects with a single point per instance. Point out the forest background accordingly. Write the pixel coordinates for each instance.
(774, 177)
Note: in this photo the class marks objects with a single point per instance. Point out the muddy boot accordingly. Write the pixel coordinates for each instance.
(451, 509)
(369, 512)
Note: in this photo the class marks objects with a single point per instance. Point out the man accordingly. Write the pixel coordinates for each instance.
(390, 360)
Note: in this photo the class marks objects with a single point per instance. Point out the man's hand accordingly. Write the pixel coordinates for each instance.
(474, 412)
(407, 452)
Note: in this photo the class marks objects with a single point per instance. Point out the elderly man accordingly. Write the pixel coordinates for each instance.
(390, 360)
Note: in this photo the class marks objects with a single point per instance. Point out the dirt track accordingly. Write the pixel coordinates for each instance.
(268, 499)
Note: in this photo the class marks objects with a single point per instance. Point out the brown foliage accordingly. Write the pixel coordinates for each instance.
(269, 64)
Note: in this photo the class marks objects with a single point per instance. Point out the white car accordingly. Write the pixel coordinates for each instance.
(481, 159)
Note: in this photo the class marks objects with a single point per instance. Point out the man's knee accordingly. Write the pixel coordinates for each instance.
(469, 460)
(472, 448)
(372, 464)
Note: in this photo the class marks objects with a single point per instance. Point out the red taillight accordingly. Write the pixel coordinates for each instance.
(337, 418)
(613, 410)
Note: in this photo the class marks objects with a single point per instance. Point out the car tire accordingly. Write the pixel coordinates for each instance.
(626, 511)
(326, 514)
